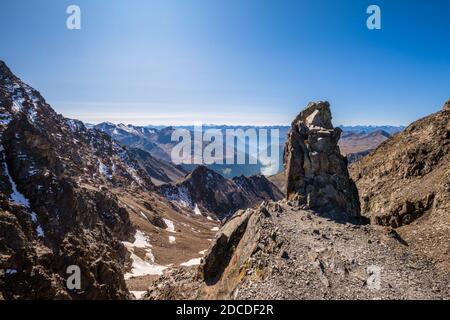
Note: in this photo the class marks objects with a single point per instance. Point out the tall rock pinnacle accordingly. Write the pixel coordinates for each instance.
(316, 172)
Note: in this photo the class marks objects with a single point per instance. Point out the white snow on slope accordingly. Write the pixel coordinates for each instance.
(215, 229)
(180, 197)
(141, 241)
(143, 268)
(192, 262)
(170, 225)
(172, 239)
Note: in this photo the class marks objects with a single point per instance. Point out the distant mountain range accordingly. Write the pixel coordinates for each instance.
(156, 140)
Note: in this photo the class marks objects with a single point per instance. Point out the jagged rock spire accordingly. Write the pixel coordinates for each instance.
(316, 172)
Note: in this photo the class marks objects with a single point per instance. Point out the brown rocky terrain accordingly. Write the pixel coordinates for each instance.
(287, 250)
(72, 195)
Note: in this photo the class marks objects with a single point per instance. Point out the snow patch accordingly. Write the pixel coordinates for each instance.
(215, 229)
(11, 271)
(172, 239)
(5, 119)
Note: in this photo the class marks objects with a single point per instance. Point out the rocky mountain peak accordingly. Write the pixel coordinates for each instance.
(316, 115)
(316, 172)
(207, 192)
(447, 105)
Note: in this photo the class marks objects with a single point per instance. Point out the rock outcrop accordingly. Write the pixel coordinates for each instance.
(316, 172)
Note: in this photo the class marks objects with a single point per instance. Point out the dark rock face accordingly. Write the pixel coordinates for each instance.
(211, 193)
(316, 172)
(57, 205)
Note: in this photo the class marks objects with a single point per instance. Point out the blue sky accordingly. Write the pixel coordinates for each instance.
(233, 61)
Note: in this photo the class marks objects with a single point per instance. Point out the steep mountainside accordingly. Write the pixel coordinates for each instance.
(406, 182)
(206, 192)
(73, 196)
(286, 250)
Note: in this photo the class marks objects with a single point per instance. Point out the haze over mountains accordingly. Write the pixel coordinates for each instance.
(356, 141)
